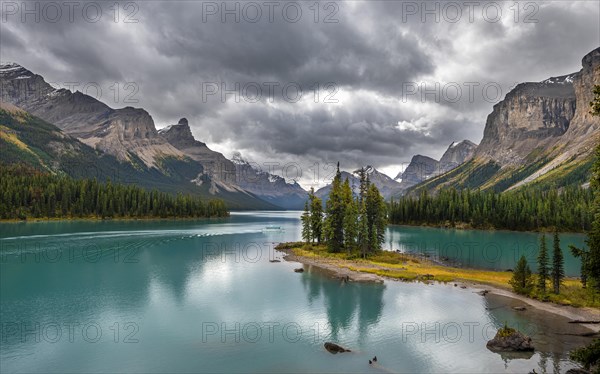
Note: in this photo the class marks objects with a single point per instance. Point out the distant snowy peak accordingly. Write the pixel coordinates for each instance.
(14, 71)
(564, 79)
(8, 66)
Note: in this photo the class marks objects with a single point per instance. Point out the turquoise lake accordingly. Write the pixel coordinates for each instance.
(202, 296)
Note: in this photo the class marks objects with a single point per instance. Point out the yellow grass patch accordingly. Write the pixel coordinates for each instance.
(411, 268)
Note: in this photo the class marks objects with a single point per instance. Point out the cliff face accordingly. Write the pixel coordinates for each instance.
(418, 170)
(540, 133)
(118, 132)
(456, 154)
(532, 115)
(217, 166)
(583, 123)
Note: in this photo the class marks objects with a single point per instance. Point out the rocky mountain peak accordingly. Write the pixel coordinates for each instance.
(180, 135)
(419, 169)
(456, 154)
(532, 115)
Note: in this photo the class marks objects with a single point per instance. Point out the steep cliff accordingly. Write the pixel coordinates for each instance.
(128, 134)
(532, 115)
(456, 154)
(542, 133)
(217, 166)
(419, 169)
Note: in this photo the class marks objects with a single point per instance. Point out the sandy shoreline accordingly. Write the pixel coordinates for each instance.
(335, 270)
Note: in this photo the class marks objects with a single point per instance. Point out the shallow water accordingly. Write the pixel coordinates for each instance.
(202, 296)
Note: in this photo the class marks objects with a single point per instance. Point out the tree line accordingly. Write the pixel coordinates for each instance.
(348, 223)
(29, 193)
(568, 209)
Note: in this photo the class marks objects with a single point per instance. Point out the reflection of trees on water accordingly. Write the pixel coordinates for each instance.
(345, 300)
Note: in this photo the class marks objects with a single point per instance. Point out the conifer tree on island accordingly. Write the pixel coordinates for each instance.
(334, 211)
(350, 223)
(316, 217)
(306, 231)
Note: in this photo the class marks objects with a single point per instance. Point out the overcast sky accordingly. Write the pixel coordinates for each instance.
(370, 59)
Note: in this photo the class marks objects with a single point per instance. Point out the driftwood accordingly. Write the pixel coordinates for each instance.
(590, 334)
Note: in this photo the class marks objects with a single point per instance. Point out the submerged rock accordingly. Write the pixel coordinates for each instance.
(299, 270)
(334, 348)
(510, 340)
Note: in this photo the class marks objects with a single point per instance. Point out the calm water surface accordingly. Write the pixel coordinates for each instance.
(202, 296)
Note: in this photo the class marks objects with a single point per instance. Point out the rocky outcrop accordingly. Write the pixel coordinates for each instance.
(540, 132)
(532, 115)
(456, 154)
(217, 166)
(510, 340)
(419, 169)
(334, 348)
(557, 125)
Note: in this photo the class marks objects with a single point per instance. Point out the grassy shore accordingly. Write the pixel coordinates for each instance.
(406, 267)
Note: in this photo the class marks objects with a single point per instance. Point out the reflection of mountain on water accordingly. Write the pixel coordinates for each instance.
(342, 300)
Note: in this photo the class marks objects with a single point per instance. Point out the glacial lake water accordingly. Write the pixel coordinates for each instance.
(203, 296)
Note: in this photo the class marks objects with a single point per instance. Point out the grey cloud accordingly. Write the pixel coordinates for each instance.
(370, 54)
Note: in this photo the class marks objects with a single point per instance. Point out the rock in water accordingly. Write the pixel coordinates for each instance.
(299, 270)
(510, 340)
(334, 348)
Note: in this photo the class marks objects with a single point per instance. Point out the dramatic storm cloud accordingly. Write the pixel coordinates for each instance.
(371, 82)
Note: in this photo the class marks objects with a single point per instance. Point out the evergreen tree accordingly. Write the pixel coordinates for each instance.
(583, 255)
(593, 240)
(351, 225)
(30, 193)
(316, 217)
(334, 222)
(521, 280)
(376, 218)
(364, 183)
(558, 265)
(588, 356)
(527, 208)
(543, 269)
(306, 229)
(363, 231)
